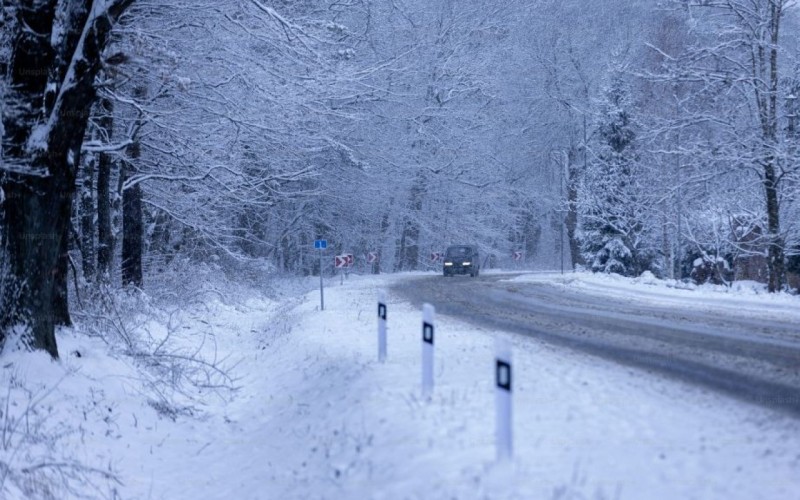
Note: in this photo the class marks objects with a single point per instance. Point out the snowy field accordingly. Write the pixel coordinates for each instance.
(316, 416)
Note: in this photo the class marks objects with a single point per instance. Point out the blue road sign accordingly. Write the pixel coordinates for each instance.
(320, 244)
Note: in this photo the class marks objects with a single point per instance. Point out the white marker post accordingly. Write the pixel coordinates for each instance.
(381, 326)
(502, 373)
(428, 317)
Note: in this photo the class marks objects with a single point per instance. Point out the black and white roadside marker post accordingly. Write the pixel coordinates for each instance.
(502, 374)
(428, 317)
(381, 326)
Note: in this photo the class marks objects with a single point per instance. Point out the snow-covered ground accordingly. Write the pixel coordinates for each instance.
(316, 416)
(747, 299)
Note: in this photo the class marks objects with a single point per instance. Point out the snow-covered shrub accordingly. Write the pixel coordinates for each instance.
(721, 246)
(144, 326)
(36, 459)
(711, 269)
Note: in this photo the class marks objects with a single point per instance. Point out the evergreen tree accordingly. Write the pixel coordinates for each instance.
(612, 202)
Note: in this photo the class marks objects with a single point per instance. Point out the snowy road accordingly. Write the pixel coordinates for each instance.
(754, 359)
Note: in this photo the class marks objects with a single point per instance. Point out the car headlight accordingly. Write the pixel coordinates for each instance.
(467, 263)
(448, 263)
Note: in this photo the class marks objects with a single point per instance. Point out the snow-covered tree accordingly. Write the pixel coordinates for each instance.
(737, 110)
(57, 53)
(614, 238)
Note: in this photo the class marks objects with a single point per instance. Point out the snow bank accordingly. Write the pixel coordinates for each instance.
(747, 299)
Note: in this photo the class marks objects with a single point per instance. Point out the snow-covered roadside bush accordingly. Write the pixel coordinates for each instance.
(166, 335)
(133, 362)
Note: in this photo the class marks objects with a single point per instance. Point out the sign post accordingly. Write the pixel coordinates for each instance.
(428, 317)
(381, 326)
(349, 259)
(502, 375)
(372, 260)
(321, 245)
(340, 262)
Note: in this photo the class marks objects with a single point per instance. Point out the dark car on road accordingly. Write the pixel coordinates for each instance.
(462, 259)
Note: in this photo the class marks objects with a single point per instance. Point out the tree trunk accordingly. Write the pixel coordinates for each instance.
(87, 212)
(409, 247)
(408, 256)
(36, 219)
(400, 250)
(775, 251)
(571, 220)
(132, 226)
(30, 209)
(60, 296)
(531, 235)
(775, 257)
(132, 236)
(105, 235)
(376, 266)
(132, 215)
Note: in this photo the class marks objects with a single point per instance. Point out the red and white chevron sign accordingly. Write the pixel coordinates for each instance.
(436, 256)
(517, 255)
(372, 257)
(344, 260)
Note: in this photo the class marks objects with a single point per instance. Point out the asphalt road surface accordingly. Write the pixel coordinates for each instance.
(754, 360)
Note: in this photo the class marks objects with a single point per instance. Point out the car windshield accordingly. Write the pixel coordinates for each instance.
(454, 252)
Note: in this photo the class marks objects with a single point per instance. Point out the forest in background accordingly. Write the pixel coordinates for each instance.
(139, 136)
